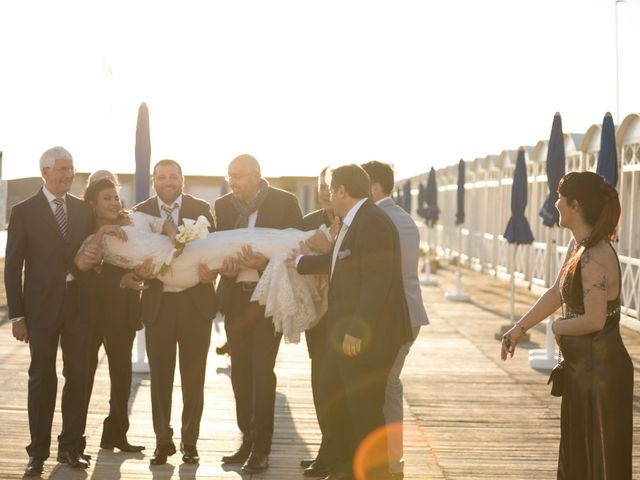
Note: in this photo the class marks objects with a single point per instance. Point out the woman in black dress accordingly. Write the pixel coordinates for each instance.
(597, 394)
(114, 313)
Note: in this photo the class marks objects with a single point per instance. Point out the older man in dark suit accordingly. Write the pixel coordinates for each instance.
(45, 232)
(177, 319)
(253, 342)
(367, 321)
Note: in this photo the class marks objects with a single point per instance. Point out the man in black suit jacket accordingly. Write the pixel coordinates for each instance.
(177, 318)
(367, 320)
(45, 232)
(253, 342)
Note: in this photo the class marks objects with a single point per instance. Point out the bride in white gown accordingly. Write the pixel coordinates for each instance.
(295, 302)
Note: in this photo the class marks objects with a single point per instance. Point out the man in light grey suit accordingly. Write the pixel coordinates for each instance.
(381, 176)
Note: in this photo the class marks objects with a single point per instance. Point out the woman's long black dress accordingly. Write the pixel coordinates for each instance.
(597, 399)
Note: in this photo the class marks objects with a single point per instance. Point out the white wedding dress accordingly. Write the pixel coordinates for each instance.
(295, 302)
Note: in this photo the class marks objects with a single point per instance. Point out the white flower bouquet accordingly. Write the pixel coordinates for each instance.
(189, 231)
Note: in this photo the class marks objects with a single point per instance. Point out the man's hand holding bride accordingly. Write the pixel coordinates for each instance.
(88, 257)
(205, 274)
(250, 259)
(230, 267)
(303, 249)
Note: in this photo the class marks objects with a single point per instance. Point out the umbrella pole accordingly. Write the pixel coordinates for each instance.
(458, 295)
(512, 260)
(546, 358)
(426, 280)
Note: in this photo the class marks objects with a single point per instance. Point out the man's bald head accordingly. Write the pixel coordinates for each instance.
(244, 177)
(246, 163)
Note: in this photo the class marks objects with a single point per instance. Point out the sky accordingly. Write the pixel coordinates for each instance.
(301, 84)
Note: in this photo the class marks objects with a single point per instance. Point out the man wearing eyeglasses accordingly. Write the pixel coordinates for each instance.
(45, 232)
(253, 342)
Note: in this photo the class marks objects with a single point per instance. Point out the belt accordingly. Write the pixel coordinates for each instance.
(247, 286)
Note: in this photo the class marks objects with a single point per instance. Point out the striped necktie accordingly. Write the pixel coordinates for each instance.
(61, 217)
(168, 211)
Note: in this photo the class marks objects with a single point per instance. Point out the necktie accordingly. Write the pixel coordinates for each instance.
(336, 247)
(169, 212)
(61, 217)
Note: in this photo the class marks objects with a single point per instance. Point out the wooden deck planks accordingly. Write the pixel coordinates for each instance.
(467, 414)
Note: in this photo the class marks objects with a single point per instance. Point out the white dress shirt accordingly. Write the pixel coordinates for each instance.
(346, 223)
(51, 199)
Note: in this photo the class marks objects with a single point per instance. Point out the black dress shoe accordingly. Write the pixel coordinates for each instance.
(72, 459)
(256, 463)
(239, 456)
(189, 454)
(122, 445)
(306, 463)
(35, 466)
(161, 453)
(316, 470)
(85, 456)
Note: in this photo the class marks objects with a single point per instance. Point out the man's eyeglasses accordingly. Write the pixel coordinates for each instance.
(64, 170)
(237, 176)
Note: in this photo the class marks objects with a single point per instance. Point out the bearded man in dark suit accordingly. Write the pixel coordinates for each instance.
(367, 321)
(253, 342)
(180, 319)
(45, 232)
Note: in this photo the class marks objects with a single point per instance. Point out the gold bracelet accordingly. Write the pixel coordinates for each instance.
(524, 332)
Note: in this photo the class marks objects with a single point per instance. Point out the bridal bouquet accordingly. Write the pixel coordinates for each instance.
(189, 231)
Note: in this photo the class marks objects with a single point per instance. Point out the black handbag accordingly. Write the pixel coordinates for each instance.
(556, 379)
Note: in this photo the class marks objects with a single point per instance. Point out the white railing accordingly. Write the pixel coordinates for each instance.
(488, 199)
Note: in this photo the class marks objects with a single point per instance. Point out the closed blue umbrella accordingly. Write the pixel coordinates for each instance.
(143, 154)
(406, 196)
(555, 171)
(143, 167)
(422, 200)
(545, 358)
(518, 230)
(431, 196)
(460, 194)
(608, 155)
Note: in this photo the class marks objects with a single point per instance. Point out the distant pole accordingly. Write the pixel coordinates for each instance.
(143, 165)
(617, 65)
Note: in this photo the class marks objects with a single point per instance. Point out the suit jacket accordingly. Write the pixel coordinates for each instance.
(279, 210)
(366, 295)
(35, 242)
(202, 295)
(410, 253)
(316, 336)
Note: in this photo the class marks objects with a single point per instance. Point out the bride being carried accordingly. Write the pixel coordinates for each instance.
(130, 240)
